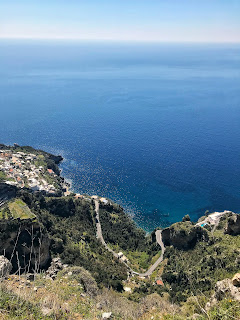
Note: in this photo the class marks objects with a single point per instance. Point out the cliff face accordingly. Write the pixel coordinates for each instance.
(183, 235)
(25, 244)
(233, 225)
(7, 192)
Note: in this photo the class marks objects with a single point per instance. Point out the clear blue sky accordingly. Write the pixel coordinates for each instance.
(134, 20)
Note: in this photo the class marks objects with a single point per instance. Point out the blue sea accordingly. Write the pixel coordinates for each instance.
(154, 127)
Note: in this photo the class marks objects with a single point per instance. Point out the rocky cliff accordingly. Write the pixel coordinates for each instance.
(233, 225)
(7, 192)
(25, 244)
(183, 235)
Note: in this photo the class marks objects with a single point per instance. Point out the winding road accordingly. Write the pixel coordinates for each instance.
(158, 239)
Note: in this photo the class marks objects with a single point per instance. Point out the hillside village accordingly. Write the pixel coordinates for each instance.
(27, 170)
(105, 257)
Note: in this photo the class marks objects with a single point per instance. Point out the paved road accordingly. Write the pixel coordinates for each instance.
(158, 239)
(100, 236)
(159, 260)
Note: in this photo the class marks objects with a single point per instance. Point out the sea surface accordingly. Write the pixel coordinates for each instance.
(154, 127)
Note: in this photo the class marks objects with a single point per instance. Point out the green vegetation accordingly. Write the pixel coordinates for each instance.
(71, 227)
(83, 277)
(139, 259)
(194, 260)
(119, 229)
(3, 176)
(120, 232)
(13, 307)
(198, 269)
(40, 161)
(16, 209)
(224, 310)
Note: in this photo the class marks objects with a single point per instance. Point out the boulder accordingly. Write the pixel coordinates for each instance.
(233, 225)
(99, 305)
(226, 288)
(236, 280)
(107, 315)
(5, 267)
(55, 267)
(30, 276)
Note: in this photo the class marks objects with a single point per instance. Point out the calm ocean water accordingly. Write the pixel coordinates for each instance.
(154, 127)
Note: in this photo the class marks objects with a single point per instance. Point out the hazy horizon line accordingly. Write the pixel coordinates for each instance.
(116, 40)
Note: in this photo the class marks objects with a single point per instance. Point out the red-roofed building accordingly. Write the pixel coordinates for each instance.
(50, 171)
(159, 283)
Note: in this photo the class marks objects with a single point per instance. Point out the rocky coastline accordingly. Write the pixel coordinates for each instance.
(89, 246)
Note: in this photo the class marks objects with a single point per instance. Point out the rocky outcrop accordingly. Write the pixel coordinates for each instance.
(236, 280)
(233, 225)
(55, 267)
(224, 289)
(184, 235)
(5, 267)
(25, 243)
(56, 159)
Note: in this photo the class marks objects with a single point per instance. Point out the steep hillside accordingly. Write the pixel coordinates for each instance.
(88, 277)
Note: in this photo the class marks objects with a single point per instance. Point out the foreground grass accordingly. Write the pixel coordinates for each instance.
(14, 307)
(65, 298)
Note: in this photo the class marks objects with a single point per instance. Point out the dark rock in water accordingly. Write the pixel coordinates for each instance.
(233, 225)
(184, 235)
(56, 159)
(5, 267)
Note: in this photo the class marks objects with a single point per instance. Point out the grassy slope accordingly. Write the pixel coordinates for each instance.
(17, 209)
(65, 298)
